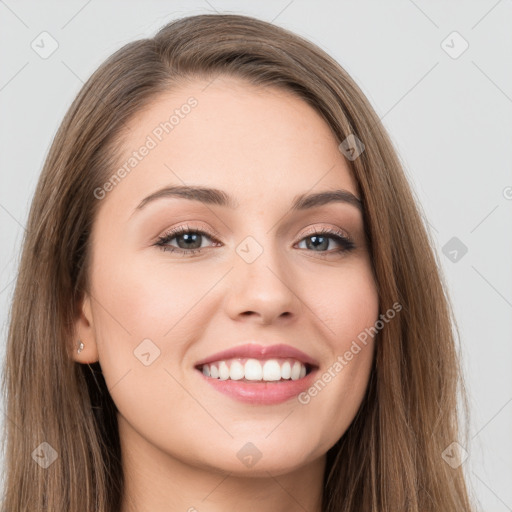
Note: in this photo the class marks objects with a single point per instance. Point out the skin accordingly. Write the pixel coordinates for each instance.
(179, 436)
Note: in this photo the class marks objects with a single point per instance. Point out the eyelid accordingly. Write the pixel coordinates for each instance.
(176, 230)
(328, 229)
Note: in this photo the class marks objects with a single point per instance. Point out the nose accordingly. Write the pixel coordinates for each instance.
(262, 291)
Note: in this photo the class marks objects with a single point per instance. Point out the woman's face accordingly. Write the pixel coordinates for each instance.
(250, 272)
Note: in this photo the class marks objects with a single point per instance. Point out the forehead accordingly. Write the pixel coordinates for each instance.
(255, 142)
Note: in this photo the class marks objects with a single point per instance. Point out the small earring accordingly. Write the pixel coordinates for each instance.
(80, 348)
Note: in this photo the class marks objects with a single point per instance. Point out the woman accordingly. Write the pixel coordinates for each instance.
(227, 296)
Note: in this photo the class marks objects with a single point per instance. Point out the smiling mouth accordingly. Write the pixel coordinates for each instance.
(256, 370)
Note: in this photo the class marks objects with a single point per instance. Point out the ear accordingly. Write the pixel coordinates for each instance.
(84, 332)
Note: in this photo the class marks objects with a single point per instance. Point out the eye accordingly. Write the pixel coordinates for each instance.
(189, 240)
(317, 240)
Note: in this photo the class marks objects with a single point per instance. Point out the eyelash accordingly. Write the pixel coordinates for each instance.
(345, 242)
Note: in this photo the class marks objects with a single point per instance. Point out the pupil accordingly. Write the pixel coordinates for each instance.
(316, 243)
(191, 238)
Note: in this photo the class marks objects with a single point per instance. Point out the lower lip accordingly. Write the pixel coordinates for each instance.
(263, 393)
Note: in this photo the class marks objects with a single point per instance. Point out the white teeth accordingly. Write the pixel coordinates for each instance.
(223, 371)
(295, 370)
(286, 370)
(253, 370)
(237, 371)
(271, 370)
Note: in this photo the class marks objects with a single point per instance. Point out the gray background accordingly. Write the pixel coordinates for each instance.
(450, 120)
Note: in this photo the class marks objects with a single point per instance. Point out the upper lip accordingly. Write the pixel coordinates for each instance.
(255, 351)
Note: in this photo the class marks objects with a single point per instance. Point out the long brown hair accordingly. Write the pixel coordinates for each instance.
(391, 457)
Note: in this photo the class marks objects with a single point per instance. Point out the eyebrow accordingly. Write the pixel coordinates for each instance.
(218, 197)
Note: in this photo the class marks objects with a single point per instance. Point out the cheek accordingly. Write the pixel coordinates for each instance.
(348, 308)
(345, 300)
(151, 300)
(144, 318)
